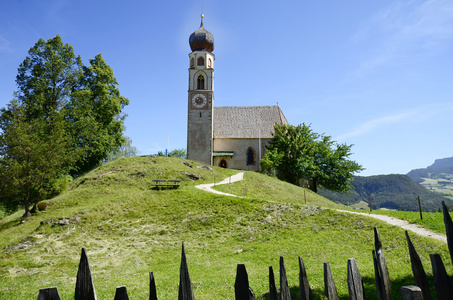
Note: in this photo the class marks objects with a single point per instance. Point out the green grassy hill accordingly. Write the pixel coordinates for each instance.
(130, 229)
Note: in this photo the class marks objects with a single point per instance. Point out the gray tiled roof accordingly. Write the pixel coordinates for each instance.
(244, 121)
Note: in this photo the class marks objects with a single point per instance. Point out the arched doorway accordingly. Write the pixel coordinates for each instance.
(223, 164)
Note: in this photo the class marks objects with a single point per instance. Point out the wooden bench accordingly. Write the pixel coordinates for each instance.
(163, 183)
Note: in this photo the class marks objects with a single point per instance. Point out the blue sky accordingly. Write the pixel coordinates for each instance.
(377, 74)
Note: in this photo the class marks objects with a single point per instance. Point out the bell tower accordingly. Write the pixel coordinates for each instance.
(201, 96)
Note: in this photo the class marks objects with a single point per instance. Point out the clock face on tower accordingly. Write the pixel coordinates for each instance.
(199, 100)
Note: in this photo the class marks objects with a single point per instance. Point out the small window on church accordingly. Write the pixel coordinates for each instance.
(192, 62)
(250, 156)
(200, 82)
(209, 63)
(200, 61)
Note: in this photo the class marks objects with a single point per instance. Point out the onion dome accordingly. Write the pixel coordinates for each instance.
(201, 39)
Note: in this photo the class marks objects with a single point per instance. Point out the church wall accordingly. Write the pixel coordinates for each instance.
(239, 147)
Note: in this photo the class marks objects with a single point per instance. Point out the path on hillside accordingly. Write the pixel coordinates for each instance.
(233, 178)
(403, 224)
(390, 220)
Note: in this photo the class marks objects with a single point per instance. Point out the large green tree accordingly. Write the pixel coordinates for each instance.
(95, 111)
(297, 152)
(33, 157)
(65, 118)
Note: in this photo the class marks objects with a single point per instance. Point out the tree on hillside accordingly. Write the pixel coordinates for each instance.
(124, 151)
(70, 115)
(297, 152)
(95, 113)
(181, 153)
(32, 158)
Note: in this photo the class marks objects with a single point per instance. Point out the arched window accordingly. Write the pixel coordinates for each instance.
(200, 61)
(200, 82)
(209, 63)
(192, 62)
(250, 156)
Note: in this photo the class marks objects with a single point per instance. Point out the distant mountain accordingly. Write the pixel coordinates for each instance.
(389, 191)
(440, 169)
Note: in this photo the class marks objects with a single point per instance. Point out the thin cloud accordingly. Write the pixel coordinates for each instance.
(375, 124)
(420, 114)
(4, 44)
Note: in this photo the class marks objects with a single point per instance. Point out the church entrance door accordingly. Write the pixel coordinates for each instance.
(223, 164)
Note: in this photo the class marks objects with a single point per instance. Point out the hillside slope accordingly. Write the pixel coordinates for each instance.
(440, 169)
(437, 178)
(130, 229)
(389, 191)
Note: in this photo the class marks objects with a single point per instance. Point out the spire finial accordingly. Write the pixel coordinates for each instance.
(202, 16)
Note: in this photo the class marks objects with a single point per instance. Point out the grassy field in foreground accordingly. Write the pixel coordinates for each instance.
(129, 230)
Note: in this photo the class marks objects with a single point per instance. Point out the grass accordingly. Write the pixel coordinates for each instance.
(260, 186)
(129, 230)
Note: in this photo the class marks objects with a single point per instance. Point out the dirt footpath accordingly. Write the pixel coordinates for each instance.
(403, 224)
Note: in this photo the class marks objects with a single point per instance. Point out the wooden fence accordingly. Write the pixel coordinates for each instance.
(84, 289)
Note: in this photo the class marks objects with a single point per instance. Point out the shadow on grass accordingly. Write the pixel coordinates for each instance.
(7, 225)
(369, 284)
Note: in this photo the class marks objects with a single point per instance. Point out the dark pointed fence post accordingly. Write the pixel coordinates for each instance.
(242, 289)
(273, 295)
(384, 277)
(84, 286)
(152, 287)
(50, 293)
(185, 285)
(355, 282)
(377, 277)
(448, 229)
(305, 291)
(411, 292)
(121, 293)
(417, 269)
(330, 290)
(442, 282)
(285, 294)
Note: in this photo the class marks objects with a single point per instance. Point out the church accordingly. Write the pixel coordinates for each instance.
(231, 136)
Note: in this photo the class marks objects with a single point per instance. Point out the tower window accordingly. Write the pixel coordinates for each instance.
(200, 82)
(200, 61)
(209, 63)
(250, 156)
(192, 62)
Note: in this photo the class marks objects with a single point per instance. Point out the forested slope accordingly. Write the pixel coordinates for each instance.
(389, 191)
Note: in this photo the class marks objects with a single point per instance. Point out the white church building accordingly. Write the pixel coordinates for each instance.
(232, 136)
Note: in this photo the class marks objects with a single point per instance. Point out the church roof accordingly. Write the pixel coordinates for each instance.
(246, 122)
